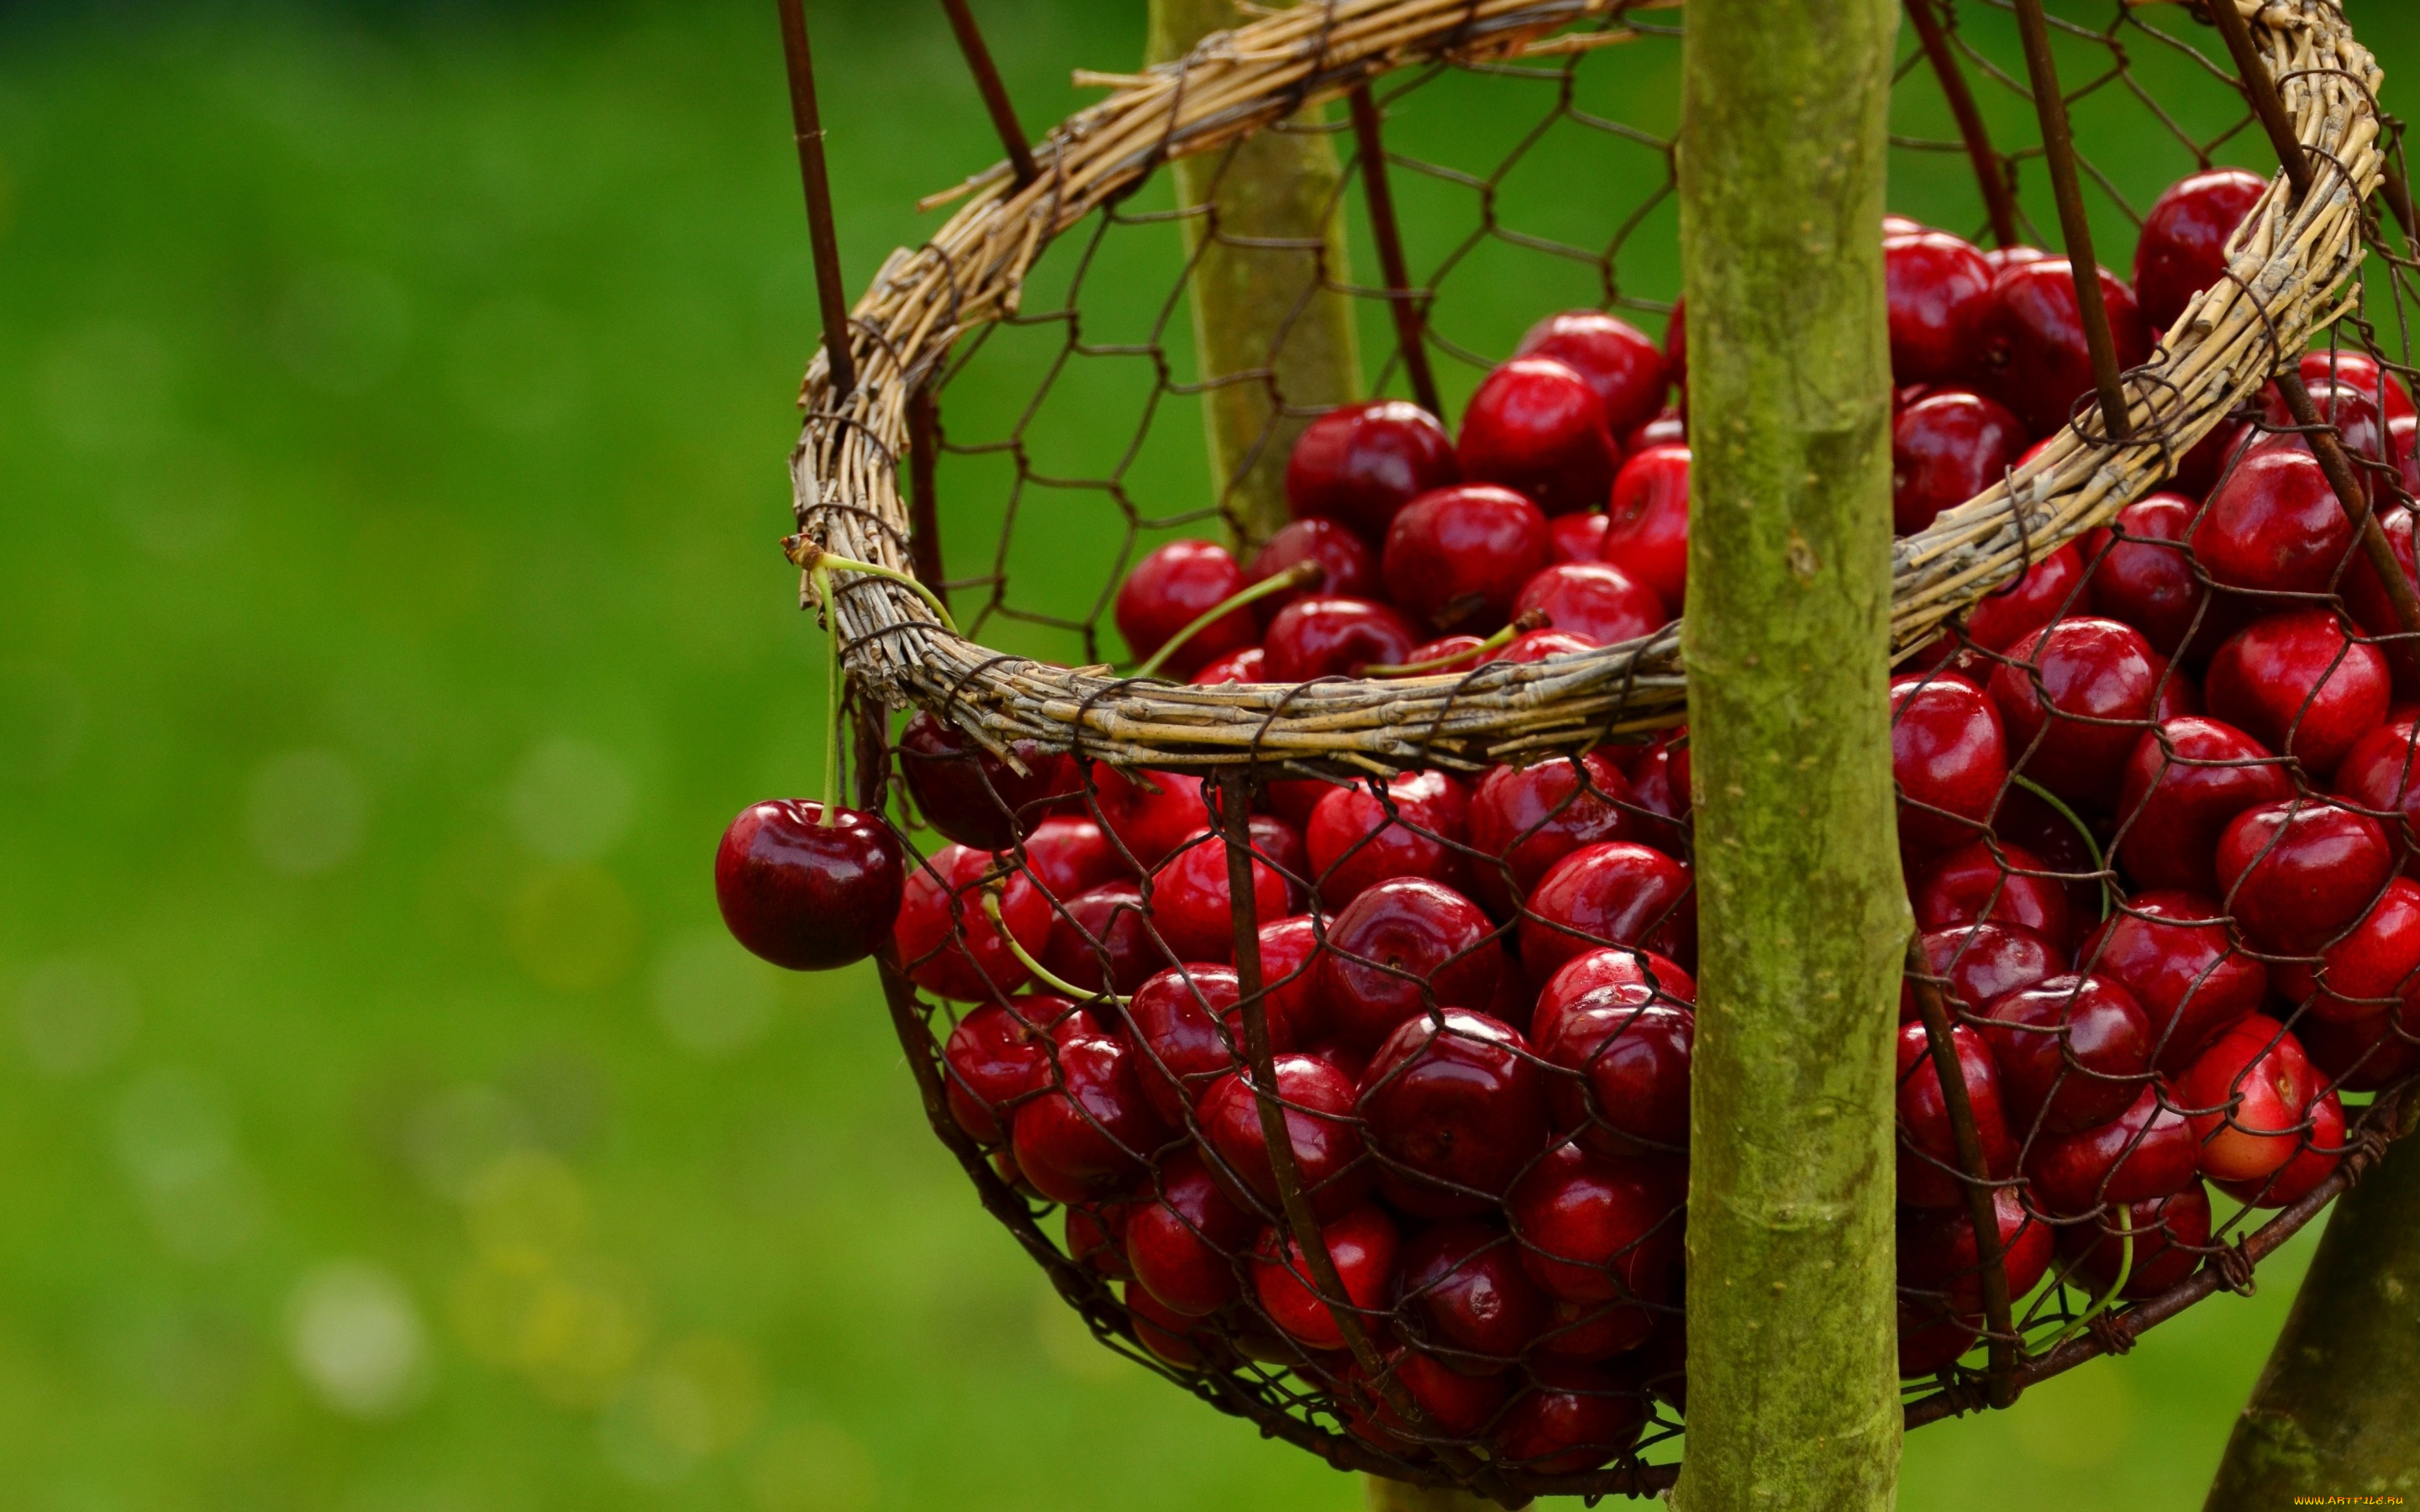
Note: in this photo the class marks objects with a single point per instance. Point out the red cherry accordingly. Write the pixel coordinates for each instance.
(1192, 906)
(1171, 588)
(1668, 428)
(1333, 638)
(1360, 464)
(1069, 854)
(2004, 258)
(2183, 248)
(972, 796)
(1971, 884)
(1096, 1237)
(1536, 425)
(1932, 1338)
(2011, 612)
(2146, 1151)
(1612, 966)
(1180, 1341)
(1596, 1330)
(1463, 650)
(1181, 1240)
(2074, 703)
(1937, 1252)
(1088, 1133)
(1189, 1034)
(1452, 1405)
(1594, 599)
(2248, 1094)
(1981, 961)
(1648, 536)
(2034, 356)
(2032, 823)
(1574, 1418)
(1101, 940)
(1347, 568)
(1932, 1173)
(2318, 1149)
(2374, 968)
(2273, 525)
(1626, 370)
(1293, 798)
(2073, 1052)
(2361, 429)
(2368, 1056)
(948, 942)
(1455, 1107)
(1664, 1360)
(1624, 1059)
(2296, 683)
(1676, 344)
(2138, 579)
(1948, 756)
(1661, 780)
(2364, 594)
(1281, 844)
(2167, 1238)
(804, 894)
(2294, 874)
(1945, 450)
(995, 1055)
(1540, 645)
(1149, 814)
(1529, 817)
(1290, 953)
(1250, 665)
(1402, 948)
(1938, 287)
(2186, 780)
(2376, 774)
(1319, 1125)
(1619, 892)
(1457, 558)
(2360, 371)
(1362, 1244)
(1576, 537)
(1600, 1231)
(1462, 1293)
(2171, 950)
(1354, 842)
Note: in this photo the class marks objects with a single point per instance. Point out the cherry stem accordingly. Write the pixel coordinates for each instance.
(1041, 973)
(808, 557)
(1498, 642)
(833, 672)
(2092, 846)
(2100, 1303)
(1294, 577)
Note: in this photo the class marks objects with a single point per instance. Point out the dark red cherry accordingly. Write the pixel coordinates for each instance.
(2010, 612)
(1149, 814)
(1360, 464)
(1457, 558)
(1347, 568)
(2360, 371)
(1333, 638)
(1576, 537)
(1611, 966)
(2138, 579)
(2370, 971)
(2321, 1146)
(1184, 1237)
(2033, 354)
(1622, 1053)
(1279, 842)
(1184, 1342)
(1676, 345)
(1661, 779)
(2146, 1151)
(1931, 1172)
(1462, 1295)
(1648, 536)
(1455, 1107)
(1290, 953)
(1455, 655)
(1541, 646)
(1596, 1330)
(969, 794)
(1189, 1033)
(1937, 1252)
(1932, 1338)
(1600, 1231)
(1450, 1405)
(2186, 782)
(2365, 592)
(1945, 450)
(2074, 701)
(2247, 1097)
(1171, 588)
(1402, 949)
(1970, 884)
(1938, 286)
(1101, 941)
(2377, 775)
(1096, 1236)
(2161, 1239)
(1362, 1244)
(1526, 818)
(2073, 1052)
(2273, 524)
(1319, 1124)
(2031, 821)
(1627, 371)
(1572, 1418)
(1948, 756)
(804, 894)
(1293, 798)
(1355, 841)
(1087, 1133)
(1594, 599)
(1981, 961)
(2361, 429)
(1069, 854)
(1250, 665)
(2171, 951)
(2296, 872)
(1664, 1360)
(2183, 248)
(2296, 683)
(1192, 906)
(1668, 428)
(993, 1057)
(2366, 1057)
(1619, 892)
(1536, 425)
(947, 941)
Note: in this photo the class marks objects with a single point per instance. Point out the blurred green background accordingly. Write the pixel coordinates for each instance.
(395, 400)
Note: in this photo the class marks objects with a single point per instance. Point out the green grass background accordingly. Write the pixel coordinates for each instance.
(391, 412)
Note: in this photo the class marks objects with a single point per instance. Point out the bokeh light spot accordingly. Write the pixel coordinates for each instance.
(355, 1335)
(305, 812)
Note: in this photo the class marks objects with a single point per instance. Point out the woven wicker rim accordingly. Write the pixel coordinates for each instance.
(2290, 262)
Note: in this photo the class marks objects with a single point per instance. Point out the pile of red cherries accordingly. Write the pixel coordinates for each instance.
(2152, 811)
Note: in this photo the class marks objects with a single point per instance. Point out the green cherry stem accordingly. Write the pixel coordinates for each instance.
(1294, 577)
(808, 557)
(833, 672)
(2100, 1305)
(1041, 973)
(2083, 832)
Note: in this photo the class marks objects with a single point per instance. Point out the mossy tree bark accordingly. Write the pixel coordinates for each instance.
(1271, 335)
(1793, 1394)
(2335, 1412)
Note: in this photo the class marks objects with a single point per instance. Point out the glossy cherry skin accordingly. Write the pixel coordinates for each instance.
(995, 1055)
(1969, 885)
(1333, 638)
(1529, 817)
(2167, 1237)
(1945, 450)
(2295, 873)
(1576, 537)
(969, 794)
(1189, 1034)
(1457, 558)
(1319, 1125)
(2318, 1149)
(946, 940)
(1149, 814)
(1939, 288)
(1455, 1107)
(804, 894)
(1625, 368)
(1671, 428)
(1623, 1049)
(1173, 587)
(2171, 950)
(1661, 780)
(1096, 1236)
(1101, 940)
(1347, 568)
(2377, 775)
(2004, 258)
(1452, 1405)
(1354, 842)
(1359, 464)
(1937, 1252)
(1536, 425)
(2185, 781)
(2296, 683)
(1597, 1230)
(2247, 1097)
(1932, 1338)
(2359, 370)
(1401, 948)
(2366, 1057)
(1931, 1170)
(1647, 531)
(2137, 579)
(2034, 356)
(2074, 701)
(1290, 953)
(2146, 1151)
(1540, 645)
(2361, 429)
(1619, 892)
(2370, 971)
(1613, 965)
(2273, 524)
(1087, 1135)
(2073, 1052)
(1181, 1240)
(2183, 248)
(1361, 1244)
(2364, 594)
(1462, 1293)
(1069, 854)
(1594, 599)
(2012, 611)
(1949, 758)
(1573, 1418)
(1192, 906)
(1184, 1342)
(1981, 961)
(1250, 665)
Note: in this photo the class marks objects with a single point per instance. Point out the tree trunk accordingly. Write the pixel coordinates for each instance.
(1794, 1400)
(1269, 330)
(2335, 1412)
